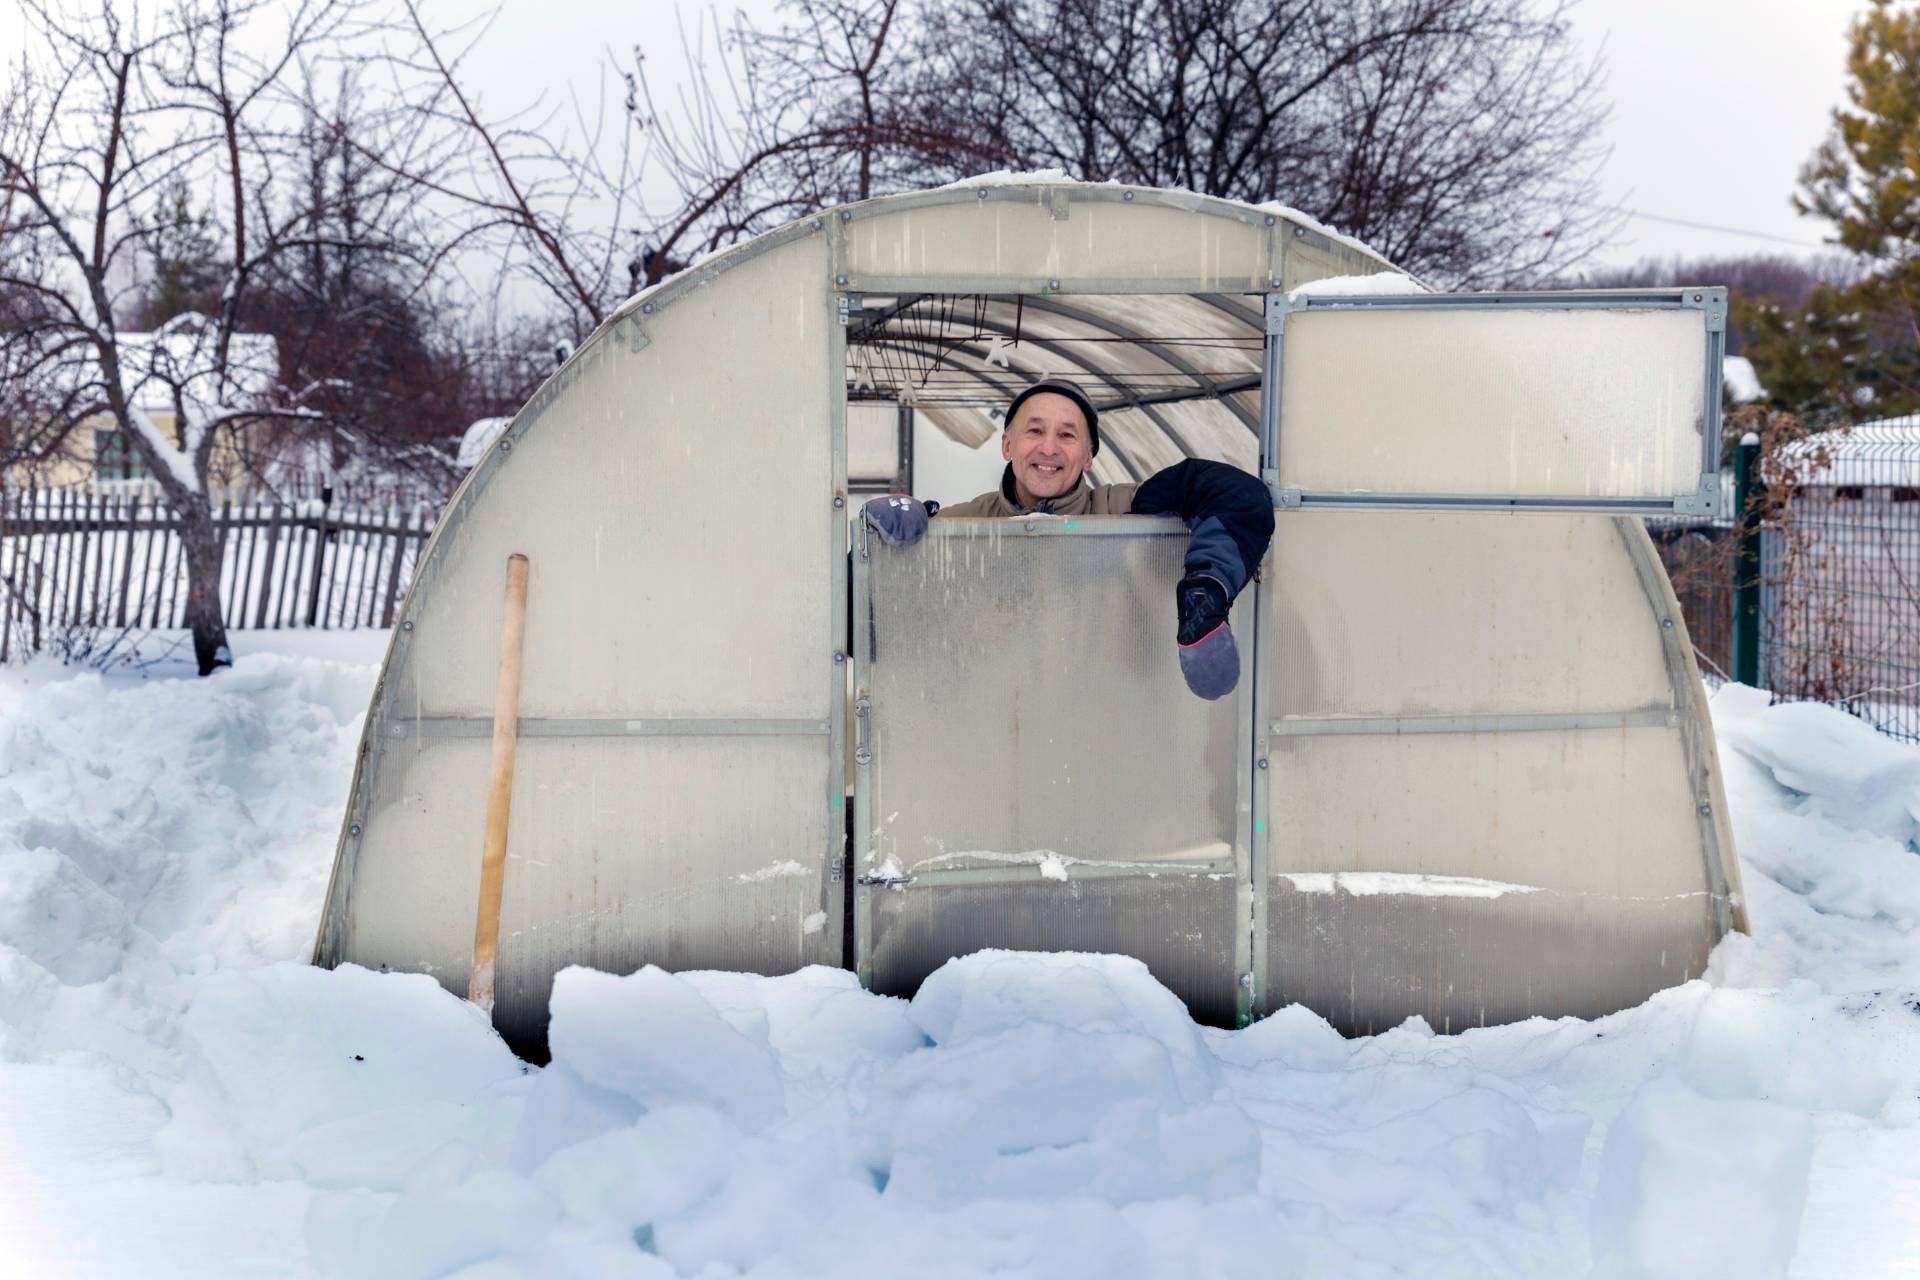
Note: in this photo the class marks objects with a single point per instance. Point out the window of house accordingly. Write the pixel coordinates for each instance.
(1905, 493)
(114, 457)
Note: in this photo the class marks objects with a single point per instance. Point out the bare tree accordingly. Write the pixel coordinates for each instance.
(1459, 137)
(108, 114)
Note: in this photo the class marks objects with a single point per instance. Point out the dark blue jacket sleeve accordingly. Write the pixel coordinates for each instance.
(1229, 512)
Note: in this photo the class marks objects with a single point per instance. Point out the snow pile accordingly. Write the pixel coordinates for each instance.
(1380, 284)
(169, 1066)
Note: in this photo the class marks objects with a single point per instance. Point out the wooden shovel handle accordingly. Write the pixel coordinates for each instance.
(506, 731)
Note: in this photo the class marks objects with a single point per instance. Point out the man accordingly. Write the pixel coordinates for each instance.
(1049, 439)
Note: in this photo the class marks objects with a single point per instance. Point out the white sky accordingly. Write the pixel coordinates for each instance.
(1716, 103)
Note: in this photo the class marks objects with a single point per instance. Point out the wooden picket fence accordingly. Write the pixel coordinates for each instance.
(79, 561)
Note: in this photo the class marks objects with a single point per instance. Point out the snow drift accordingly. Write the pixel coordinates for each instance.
(181, 1095)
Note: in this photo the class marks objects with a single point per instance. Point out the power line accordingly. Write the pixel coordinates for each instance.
(1731, 231)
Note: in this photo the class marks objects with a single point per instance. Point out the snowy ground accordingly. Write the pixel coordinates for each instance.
(180, 1095)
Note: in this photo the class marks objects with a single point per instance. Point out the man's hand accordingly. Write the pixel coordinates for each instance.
(1208, 657)
(899, 518)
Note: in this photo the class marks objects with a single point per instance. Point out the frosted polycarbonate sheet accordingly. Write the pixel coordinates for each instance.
(1538, 402)
(873, 442)
(1019, 239)
(675, 504)
(1026, 696)
(688, 853)
(1038, 765)
(1416, 865)
(1368, 962)
(673, 489)
(1474, 878)
(1570, 812)
(1432, 613)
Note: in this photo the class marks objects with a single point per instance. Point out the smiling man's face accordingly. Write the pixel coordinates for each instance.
(1048, 445)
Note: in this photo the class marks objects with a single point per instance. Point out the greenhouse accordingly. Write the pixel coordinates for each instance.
(655, 698)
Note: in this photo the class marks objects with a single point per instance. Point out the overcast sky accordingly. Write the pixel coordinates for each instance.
(1715, 108)
(1716, 103)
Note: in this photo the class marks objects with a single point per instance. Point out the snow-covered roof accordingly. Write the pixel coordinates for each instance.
(182, 352)
(1886, 452)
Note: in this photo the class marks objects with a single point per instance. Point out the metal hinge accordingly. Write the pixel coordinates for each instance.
(1276, 314)
(843, 310)
(875, 881)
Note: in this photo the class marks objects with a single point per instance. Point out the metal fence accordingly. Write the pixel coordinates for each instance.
(1832, 574)
(77, 562)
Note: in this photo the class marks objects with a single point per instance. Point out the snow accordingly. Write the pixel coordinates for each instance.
(182, 1095)
(1742, 383)
(479, 438)
(1312, 223)
(1018, 178)
(1363, 884)
(1383, 284)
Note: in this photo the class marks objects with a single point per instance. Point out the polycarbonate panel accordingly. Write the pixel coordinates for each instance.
(1038, 766)
(677, 796)
(675, 503)
(1526, 401)
(1606, 812)
(1478, 878)
(1015, 236)
(690, 853)
(1430, 613)
(873, 442)
(1481, 799)
(1368, 962)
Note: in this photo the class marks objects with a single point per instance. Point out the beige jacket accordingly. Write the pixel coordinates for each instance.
(1088, 500)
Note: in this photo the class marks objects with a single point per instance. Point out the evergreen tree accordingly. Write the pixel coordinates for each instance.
(185, 246)
(1853, 352)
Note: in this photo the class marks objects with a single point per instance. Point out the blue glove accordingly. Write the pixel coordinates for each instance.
(1209, 659)
(899, 518)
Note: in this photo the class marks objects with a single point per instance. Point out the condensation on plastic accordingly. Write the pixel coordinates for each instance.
(1026, 700)
(1594, 832)
(1533, 401)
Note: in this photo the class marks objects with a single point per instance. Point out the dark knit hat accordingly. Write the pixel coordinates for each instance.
(1072, 391)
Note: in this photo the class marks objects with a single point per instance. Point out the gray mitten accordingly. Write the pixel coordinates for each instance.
(899, 518)
(1209, 659)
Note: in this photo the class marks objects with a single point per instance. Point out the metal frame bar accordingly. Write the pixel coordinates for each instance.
(833, 873)
(861, 855)
(421, 728)
(1548, 722)
(1711, 302)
